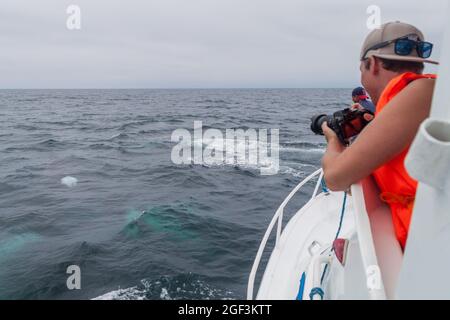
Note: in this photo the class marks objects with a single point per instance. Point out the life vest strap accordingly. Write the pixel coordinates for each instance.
(391, 198)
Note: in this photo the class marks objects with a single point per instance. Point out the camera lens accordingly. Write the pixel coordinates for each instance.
(316, 123)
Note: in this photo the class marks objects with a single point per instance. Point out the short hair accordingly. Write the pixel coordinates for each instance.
(398, 65)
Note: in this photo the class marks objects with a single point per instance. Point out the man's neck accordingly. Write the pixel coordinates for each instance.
(385, 78)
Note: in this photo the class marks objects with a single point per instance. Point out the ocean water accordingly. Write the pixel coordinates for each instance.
(137, 225)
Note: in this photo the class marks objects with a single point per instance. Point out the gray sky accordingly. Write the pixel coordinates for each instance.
(195, 43)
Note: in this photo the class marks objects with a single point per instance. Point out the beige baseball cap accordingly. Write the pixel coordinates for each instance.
(391, 31)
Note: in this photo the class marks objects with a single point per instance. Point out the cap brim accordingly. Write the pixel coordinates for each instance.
(403, 58)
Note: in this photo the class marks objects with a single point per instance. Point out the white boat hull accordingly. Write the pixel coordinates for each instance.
(311, 231)
(304, 265)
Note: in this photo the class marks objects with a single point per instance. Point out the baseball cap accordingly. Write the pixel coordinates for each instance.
(391, 31)
(359, 92)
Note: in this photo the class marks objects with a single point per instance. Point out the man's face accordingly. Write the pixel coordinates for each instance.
(367, 78)
(364, 74)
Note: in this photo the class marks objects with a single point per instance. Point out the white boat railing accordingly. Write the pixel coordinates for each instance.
(278, 218)
(374, 280)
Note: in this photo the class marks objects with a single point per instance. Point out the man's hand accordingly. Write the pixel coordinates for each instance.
(357, 106)
(330, 135)
(334, 148)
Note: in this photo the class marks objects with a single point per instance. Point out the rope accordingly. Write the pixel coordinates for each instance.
(324, 186)
(342, 216)
(302, 287)
(337, 233)
(316, 291)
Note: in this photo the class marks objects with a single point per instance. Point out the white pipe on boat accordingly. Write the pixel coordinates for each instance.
(316, 189)
(318, 262)
(428, 160)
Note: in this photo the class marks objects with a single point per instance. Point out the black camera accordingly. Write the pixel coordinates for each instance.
(346, 123)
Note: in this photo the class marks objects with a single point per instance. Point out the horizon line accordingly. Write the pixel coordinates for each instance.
(184, 88)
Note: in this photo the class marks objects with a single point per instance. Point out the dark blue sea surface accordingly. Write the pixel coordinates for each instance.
(139, 226)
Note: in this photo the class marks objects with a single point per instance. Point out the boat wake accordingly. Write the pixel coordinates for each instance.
(181, 287)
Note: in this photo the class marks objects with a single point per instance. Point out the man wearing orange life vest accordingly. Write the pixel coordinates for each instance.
(392, 63)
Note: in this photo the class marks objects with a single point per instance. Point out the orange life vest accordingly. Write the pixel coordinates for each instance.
(398, 189)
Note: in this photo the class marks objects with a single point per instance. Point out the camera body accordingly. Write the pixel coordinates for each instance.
(345, 123)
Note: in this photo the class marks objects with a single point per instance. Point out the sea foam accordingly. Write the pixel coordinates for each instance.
(69, 181)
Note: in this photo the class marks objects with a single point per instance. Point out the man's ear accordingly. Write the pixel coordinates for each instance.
(374, 65)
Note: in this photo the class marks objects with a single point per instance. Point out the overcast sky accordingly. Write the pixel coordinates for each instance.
(195, 43)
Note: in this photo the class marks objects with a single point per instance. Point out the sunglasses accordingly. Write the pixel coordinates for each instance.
(404, 47)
